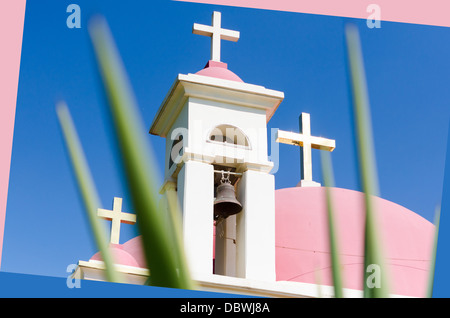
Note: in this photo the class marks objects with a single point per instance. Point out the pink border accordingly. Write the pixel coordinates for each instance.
(12, 15)
(430, 12)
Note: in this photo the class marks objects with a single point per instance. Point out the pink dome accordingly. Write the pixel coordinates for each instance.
(129, 253)
(301, 239)
(302, 249)
(219, 70)
(134, 247)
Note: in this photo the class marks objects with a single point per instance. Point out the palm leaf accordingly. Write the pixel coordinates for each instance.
(328, 178)
(437, 216)
(161, 246)
(366, 161)
(87, 188)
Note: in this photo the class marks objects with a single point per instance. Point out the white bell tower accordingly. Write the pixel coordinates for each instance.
(214, 122)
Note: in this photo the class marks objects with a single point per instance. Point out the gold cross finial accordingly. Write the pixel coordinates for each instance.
(307, 142)
(116, 216)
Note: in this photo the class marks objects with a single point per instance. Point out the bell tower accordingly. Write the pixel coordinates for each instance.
(215, 127)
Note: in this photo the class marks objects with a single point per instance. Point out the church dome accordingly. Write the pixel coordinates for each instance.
(302, 248)
(129, 253)
(219, 70)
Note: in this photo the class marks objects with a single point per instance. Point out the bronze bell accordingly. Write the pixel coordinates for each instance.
(226, 203)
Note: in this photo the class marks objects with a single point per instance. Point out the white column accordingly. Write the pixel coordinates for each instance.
(225, 262)
(196, 196)
(255, 227)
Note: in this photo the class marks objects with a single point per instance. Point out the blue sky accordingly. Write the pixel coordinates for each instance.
(303, 55)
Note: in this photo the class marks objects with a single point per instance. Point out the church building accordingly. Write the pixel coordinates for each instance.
(240, 234)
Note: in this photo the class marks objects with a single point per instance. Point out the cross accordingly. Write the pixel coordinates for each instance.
(117, 217)
(307, 142)
(216, 33)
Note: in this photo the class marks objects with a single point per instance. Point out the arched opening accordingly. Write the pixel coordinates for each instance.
(229, 134)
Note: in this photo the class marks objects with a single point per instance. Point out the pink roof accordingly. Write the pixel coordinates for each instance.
(302, 250)
(129, 253)
(219, 70)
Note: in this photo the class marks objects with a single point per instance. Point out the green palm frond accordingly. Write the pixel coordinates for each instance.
(437, 216)
(86, 187)
(366, 159)
(162, 246)
(328, 178)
